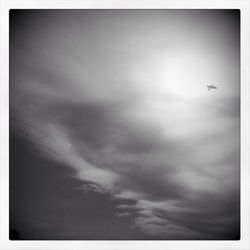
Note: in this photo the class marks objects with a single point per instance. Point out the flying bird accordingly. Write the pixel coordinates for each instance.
(211, 87)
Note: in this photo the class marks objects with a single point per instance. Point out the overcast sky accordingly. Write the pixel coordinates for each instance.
(114, 134)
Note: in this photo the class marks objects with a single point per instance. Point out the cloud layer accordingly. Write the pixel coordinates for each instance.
(120, 97)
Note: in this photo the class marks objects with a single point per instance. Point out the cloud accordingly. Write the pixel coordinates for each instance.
(125, 214)
(127, 133)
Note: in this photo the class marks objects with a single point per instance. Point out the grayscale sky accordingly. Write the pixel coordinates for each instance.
(114, 134)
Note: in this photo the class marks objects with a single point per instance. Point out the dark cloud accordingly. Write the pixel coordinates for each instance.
(51, 204)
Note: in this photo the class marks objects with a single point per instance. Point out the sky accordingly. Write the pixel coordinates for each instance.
(113, 132)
